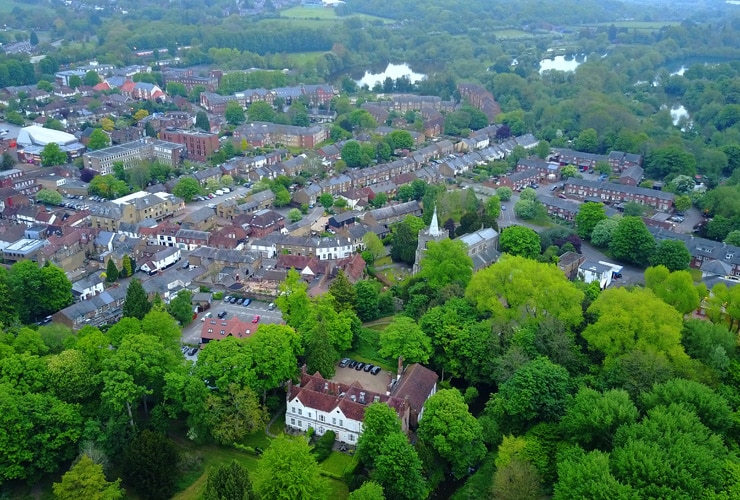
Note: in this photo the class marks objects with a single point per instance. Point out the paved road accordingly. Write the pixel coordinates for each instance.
(191, 334)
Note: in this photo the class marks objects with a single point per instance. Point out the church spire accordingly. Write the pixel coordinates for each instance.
(434, 226)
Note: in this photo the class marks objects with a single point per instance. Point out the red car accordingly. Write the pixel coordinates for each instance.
(256, 319)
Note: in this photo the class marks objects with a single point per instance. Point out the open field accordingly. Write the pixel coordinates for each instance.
(301, 58)
(325, 14)
(513, 34)
(636, 25)
(9, 5)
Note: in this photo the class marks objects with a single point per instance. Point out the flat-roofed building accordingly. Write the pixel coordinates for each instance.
(132, 153)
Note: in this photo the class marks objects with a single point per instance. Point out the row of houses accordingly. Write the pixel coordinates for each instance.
(619, 161)
(314, 94)
(611, 193)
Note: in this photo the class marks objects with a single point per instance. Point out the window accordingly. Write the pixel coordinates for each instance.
(292, 409)
(322, 418)
(333, 421)
(351, 437)
(292, 421)
(309, 414)
(300, 424)
(300, 412)
(341, 423)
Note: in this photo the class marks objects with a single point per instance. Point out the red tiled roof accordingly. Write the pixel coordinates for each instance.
(231, 327)
(416, 382)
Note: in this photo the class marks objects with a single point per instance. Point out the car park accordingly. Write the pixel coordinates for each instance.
(352, 363)
(247, 302)
(239, 302)
(227, 298)
(344, 362)
(360, 366)
(368, 367)
(233, 300)
(256, 318)
(375, 370)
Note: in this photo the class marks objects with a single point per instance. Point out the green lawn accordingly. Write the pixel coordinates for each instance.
(367, 345)
(309, 13)
(301, 58)
(337, 463)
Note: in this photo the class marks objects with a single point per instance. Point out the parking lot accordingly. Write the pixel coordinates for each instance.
(191, 334)
(376, 383)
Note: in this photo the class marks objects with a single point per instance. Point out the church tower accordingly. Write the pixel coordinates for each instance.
(432, 233)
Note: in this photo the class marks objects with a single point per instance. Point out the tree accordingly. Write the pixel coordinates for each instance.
(260, 111)
(140, 115)
(593, 417)
(234, 113)
(404, 338)
(107, 124)
(674, 288)
(525, 290)
(34, 39)
(679, 457)
(228, 482)
(293, 299)
(232, 414)
(75, 82)
(147, 465)
(86, 479)
(517, 480)
(404, 240)
(326, 200)
(398, 469)
(528, 194)
(446, 262)
(602, 233)
(8, 161)
(710, 343)
(91, 78)
(568, 171)
(528, 209)
(294, 215)
(634, 319)
(127, 268)
(52, 155)
(107, 186)
(187, 188)
(366, 303)
(352, 154)
(111, 271)
(672, 254)
(588, 475)
(136, 304)
(401, 139)
(282, 197)
(537, 392)
(98, 140)
(373, 244)
(75, 377)
(504, 193)
(521, 241)
(49, 197)
(587, 141)
(380, 422)
(493, 207)
(589, 214)
(450, 429)
(343, 291)
(632, 242)
(181, 307)
(201, 121)
(289, 471)
(38, 292)
(370, 490)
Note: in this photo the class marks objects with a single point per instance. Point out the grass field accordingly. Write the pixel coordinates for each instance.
(639, 25)
(319, 14)
(301, 58)
(513, 34)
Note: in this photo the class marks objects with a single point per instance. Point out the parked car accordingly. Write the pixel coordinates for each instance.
(239, 302)
(503, 207)
(227, 298)
(222, 314)
(207, 315)
(360, 366)
(369, 367)
(233, 300)
(344, 362)
(375, 370)
(256, 318)
(271, 306)
(247, 302)
(352, 363)
(192, 351)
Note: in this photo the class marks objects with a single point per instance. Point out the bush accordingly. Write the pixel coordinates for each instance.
(322, 448)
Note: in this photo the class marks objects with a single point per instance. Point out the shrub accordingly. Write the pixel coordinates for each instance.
(322, 448)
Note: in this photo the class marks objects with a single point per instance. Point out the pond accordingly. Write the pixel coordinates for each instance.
(561, 63)
(394, 71)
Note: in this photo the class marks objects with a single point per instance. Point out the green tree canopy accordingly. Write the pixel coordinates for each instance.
(288, 471)
(260, 111)
(86, 479)
(398, 469)
(593, 417)
(632, 242)
(147, 465)
(98, 140)
(234, 113)
(48, 196)
(450, 429)
(52, 155)
(228, 482)
(521, 289)
(520, 240)
(675, 288)
(588, 216)
(446, 262)
(136, 304)
(404, 338)
(187, 188)
(672, 254)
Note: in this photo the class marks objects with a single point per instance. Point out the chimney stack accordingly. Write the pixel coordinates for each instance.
(400, 368)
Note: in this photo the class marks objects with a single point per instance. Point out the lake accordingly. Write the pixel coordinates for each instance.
(561, 63)
(391, 70)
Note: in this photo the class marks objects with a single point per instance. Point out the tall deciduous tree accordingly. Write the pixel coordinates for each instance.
(202, 122)
(181, 307)
(288, 471)
(370, 490)
(520, 240)
(593, 418)
(380, 422)
(588, 475)
(293, 299)
(52, 155)
(86, 479)
(404, 338)
(98, 140)
(136, 305)
(398, 469)
(521, 289)
(675, 288)
(632, 242)
(260, 111)
(187, 188)
(450, 429)
(111, 271)
(232, 414)
(672, 254)
(446, 262)
(589, 214)
(634, 319)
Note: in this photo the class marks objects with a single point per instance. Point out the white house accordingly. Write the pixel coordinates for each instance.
(325, 405)
(88, 287)
(602, 272)
(161, 260)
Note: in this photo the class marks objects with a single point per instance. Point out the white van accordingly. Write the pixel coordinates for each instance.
(206, 315)
(219, 192)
